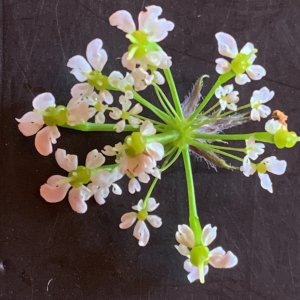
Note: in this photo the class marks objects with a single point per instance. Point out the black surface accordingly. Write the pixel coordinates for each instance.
(87, 256)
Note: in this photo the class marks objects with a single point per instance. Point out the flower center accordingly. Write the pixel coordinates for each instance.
(224, 98)
(135, 143)
(261, 168)
(240, 63)
(55, 115)
(125, 115)
(257, 104)
(142, 215)
(97, 80)
(80, 176)
(199, 254)
(98, 106)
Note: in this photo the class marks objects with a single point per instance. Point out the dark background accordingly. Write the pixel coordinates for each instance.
(87, 256)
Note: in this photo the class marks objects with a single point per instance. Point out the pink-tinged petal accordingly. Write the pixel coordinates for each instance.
(185, 236)
(79, 111)
(52, 192)
(155, 221)
(77, 198)
(183, 250)
(272, 126)
(96, 56)
(127, 220)
(274, 165)
(256, 72)
(100, 195)
(120, 126)
(45, 138)
(155, 150)
(43, 101)
(92, 112)
(227, 45)
(116, 189)
(129, 64)
(208, 234)
(102, 178)
(115, 78)
(223, 66)
(123, 20)
(66, 162)
(138, 108)
(188, 266)
(229, 260)
(264, 111)
(144, 177)
(151, 205)
(94, 159)
(263, 95)
(79, 65)
(115, 113)
(266, 182)
(247, 168)
(30, 123)
(82, 90)
(139, 206)
(242, 79)
(148, 128)
(134, 186)
(134, 122)
(217, 252)
(106, 96)
(141, 233)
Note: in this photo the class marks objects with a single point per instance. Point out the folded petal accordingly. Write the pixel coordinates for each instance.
(115, 113)
(272, 126)
(264, 111)
(79, 65)
(256, 72)
(229, 260)
(77, 198)
(106, 96)
(148, 128)
(134, 122)
(136, 109)
(94, 159)
(155, 221)
(127, 220)
(242, 79)
(67, 162)
(82, 90)
(100, 118)
(45, 138)
(185, 236)
(223, 66)
(141, 233)
(43, 101)
(123, 20)
(30, 123)
(208, 234)
(116, 189)
(227, 45)
(120, 126)
(151, 205)
(139, 206)
(217, 252)
(183, 250)
(96, 56)
(52, 192)
(274, 165)
(134, 186)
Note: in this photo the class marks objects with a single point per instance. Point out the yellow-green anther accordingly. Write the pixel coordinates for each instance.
(80, 176)
(142, 215)
(261, 168)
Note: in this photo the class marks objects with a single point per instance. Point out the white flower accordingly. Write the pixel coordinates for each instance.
(124, 84)
(254, 149)
(144, 51)
(102, 181)
(272, 126)
(242, 61)
(258, 109)
(78, 111)
(228, 97)
(270, 164)
(141, 78)
(113, 151)
(217, 257)
(82, 70)
(124, 114)
(57, 186)
(141, 231)
(45, 112)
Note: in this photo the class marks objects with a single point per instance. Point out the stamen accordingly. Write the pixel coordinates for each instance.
(132, 52)
(132, 38)
(201, 272)
(251, 53)
(65, 180)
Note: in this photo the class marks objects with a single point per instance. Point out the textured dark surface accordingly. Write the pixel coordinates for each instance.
(49, 252)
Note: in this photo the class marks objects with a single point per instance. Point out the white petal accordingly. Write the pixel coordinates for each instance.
(264, 95)
(242, 79)
(94, 159)
(147, 128)
(223, 66)
(151, 205)
(183, 250)
(45, 138)
(232, 106)
(223, 104)
(155, 221)
(266, 182)
(188, 266)
(79, 111)
(264, 111)
(158, 78)
(109, 151)
(96, 56)
(115, 113)
(185, 236)
(144, 177)
(66, 162)
(116, 189)
(43, 101)
(54, 193)
(100, 118)
(208, 234)
(102, 178)
(134, 122)
(139, 206)
(106, 96)
(101, 194)
(274, 165)
(229, 260)
(115, 78)
(123, 20)
(247, 168)
(255, 116)
(141, 233)
(116, 174)
(129, 64)
(272, 126)
(220, 92)
(247, 49)
(127, 220)
(79, 65)
(155, 150)
(138, 108)
(77, 198)
(30, 123)
(134, 186)
(82, 90)
(217, 252)
(120, 126)
(232, 97)
(256, 72)
(226, 45)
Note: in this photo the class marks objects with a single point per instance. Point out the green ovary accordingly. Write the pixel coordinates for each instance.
(199, 255)
(240, 63)
(125, 115)
(98, 106)
(283, 138)
(55, 115)
(142, 215)
(98, 80)
(80, 176)
(261, 168)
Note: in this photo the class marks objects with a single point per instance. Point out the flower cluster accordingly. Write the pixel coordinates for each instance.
(151, 146)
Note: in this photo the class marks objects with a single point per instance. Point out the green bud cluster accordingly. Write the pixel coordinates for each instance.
(284, 138)
(55, 115)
